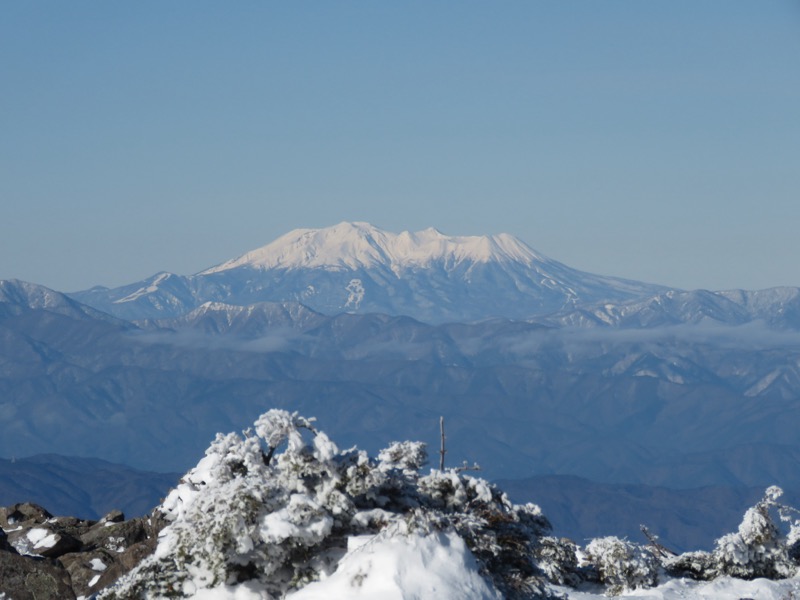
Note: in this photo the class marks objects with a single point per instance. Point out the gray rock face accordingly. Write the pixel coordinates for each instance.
(26, 578)
(60, 558)
(115, 536)
(24, 513)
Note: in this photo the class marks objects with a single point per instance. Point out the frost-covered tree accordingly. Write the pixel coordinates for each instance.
(272, 510)
(621, 565)
(759, 548)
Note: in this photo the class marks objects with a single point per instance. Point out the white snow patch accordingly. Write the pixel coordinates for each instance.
(150, 289)
(97, 565)
(94, 580)
(645, 373)
(41, 538)
(116, 544)
(412, 567)
(245, 591)
(355, 290)
(763, 384)
(724, 588)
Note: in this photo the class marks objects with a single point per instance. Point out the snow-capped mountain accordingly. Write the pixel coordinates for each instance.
(358, 268)
(351, 246)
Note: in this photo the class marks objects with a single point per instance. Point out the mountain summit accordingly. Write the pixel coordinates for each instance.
(356, 267)
(363, 246)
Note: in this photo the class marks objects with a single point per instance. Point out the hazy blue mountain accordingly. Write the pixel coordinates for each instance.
(776, 308)
(87, 488)
(597, 378)
(679, 406)
(18, 297)
(358, 268)
(683, 519)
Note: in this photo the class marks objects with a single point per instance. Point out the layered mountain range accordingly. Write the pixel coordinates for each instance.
(538, 368)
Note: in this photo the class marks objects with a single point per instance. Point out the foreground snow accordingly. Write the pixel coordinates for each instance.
(386, 567)
(724, 588)
(408, 566)
(403, 568)
(415, 567)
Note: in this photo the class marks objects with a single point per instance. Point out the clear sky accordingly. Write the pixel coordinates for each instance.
(653, 140)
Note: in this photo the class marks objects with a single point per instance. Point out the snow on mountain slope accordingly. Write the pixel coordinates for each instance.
(254, 320)
(361, 246)
(777, 308)
(356, 267)
(20, 296)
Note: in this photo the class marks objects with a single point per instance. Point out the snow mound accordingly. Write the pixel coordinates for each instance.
(410, 567)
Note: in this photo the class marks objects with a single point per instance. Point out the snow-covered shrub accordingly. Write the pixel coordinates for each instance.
(504, 537)
(698, 565)
(621, 565)
(409, 457)
(244, 513)
(558, 559)
(757, 549)
(251, 515)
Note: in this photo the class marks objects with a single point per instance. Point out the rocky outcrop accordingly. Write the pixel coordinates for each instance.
(43, 557)
(29, 578)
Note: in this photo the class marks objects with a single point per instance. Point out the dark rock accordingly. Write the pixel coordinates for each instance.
(115, 516)
(116, 537)
(4, 545)
(32, 530)
(132, 556)
(88, 570)
(63, 544)
(125, 562)
(26, 578)
(44, 540)
(91, 555)
(71, 525)
(22, 513)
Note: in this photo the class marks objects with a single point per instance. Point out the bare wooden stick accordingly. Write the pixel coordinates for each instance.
(656, 545)
(442, 450)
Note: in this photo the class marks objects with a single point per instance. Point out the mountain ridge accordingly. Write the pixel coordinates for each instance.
(358, 268)
(663, 393)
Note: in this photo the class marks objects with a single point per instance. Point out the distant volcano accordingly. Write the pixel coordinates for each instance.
(358, 268)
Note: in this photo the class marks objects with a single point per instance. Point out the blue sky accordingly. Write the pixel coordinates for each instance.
(651, 140)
